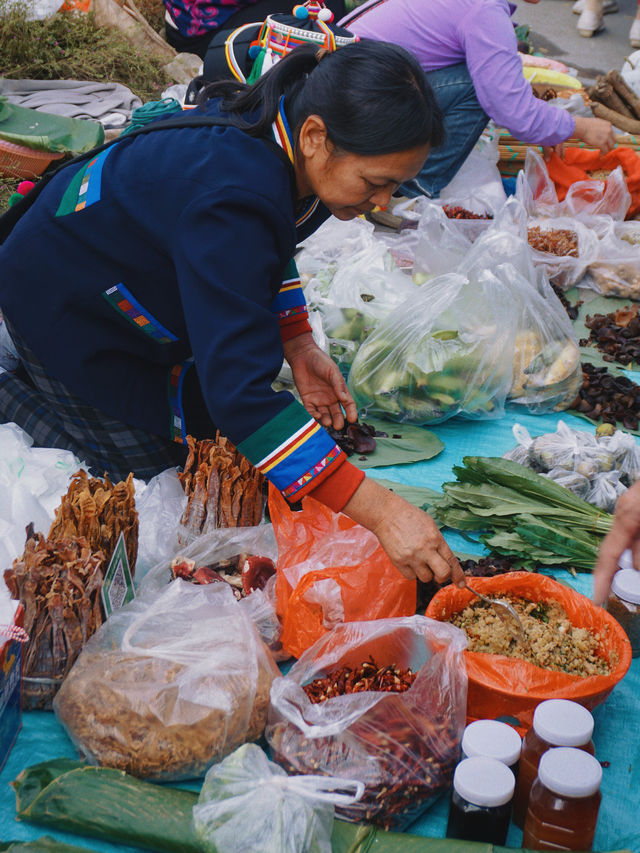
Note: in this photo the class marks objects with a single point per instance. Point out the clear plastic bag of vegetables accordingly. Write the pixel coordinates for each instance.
(359, 289)
(546, 360)
(249, 803)
(466, 341)
(446, 351)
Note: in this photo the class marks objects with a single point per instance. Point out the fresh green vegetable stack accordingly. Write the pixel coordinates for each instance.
(525, 516)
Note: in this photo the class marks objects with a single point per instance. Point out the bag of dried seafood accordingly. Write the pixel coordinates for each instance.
(243, 557)
(381, 701)
(169, 685)
(247, 796)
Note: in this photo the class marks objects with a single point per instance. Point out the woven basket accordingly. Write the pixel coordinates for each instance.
(18, 161)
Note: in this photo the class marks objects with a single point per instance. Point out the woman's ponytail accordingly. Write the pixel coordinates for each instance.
(373, 97)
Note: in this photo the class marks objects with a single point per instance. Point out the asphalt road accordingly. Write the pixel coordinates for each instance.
(554, 34)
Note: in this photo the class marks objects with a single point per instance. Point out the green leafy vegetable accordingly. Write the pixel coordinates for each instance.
(522, 515)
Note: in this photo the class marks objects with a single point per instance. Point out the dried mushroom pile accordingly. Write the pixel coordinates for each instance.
(58, 584)
(59, 579)
(617, 334)
(608, 398)
(99, 511)
(223, 487)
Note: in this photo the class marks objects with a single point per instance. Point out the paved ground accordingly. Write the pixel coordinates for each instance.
(554, 33)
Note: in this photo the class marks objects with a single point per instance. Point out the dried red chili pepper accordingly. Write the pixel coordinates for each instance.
(368, 676)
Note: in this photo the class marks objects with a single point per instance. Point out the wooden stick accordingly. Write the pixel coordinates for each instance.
(625, 123)
(625, 92)
(604, 92)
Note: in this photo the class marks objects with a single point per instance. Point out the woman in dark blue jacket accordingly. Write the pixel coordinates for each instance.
(151, 294)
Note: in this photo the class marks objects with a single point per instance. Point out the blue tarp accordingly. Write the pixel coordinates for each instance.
(617, 720)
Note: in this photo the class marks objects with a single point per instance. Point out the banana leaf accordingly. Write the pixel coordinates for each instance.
(44, 844)
(414, 445)
(109, 804)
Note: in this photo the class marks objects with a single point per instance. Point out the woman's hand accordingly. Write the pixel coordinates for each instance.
(317, 377)
(409, 536)
(596, 132)
(624, 533)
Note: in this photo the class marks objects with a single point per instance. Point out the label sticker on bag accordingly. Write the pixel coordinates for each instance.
(117, 586)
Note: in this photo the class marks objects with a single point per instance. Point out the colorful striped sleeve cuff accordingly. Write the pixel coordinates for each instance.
(294, 452)
(290, 306)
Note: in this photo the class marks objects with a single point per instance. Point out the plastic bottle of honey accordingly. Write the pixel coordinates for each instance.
(481, 801)
(492, 739)
(556, 722)
(564, 801)
(624, 600)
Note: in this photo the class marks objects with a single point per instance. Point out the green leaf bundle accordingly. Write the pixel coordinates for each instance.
(522, 514)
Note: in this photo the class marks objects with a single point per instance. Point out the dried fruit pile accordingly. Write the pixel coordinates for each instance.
(367, 676)
(223, 487)
(59, 586)
(617, 334)
(243, 572)
(555, 241)
(454, 211)
(608, 398)
(99, 511)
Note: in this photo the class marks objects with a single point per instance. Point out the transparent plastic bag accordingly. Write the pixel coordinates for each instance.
(160, 508)
(446, 351)
(626, 455)
(442, 244)
(477, 185)
(403, 746)
(249, 805)
(228, 546)
(169, 684)
(363, 288)
(546, 359)
(537, 192)
(564, 270)
(616, 272)
(605, 490)
(576, 483)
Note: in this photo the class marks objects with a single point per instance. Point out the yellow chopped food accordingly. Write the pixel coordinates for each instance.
(552, 641)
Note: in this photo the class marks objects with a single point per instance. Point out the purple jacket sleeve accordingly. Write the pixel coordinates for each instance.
(496, 70)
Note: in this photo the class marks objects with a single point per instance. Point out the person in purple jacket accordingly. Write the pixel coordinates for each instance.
(470, 53)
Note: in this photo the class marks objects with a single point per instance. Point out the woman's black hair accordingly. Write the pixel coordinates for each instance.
(373, 97)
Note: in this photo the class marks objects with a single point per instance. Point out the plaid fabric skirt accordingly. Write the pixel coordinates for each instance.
(54, 417)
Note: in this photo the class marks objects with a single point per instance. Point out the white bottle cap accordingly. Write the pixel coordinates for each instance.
(484, 781)
(492, 739)
(625, 560)
(626, 585)
(570, 772)
(563, 723)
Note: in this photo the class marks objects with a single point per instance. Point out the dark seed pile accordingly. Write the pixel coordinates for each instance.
(617, 335)
(608, 398)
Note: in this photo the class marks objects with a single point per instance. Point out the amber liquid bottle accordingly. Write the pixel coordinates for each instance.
(564, 802)
(556, 722)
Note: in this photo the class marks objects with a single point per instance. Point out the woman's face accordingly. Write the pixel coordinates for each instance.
(350, 184)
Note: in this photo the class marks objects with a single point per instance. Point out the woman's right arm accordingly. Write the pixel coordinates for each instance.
(409, 536)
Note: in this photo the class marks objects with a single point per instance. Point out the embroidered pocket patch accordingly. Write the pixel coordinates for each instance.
(120, 298)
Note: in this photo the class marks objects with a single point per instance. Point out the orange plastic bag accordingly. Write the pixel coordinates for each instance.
(503, 686)
(330, 570)
(579, 162)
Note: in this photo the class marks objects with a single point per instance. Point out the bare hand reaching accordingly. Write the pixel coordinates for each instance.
(624, 533)
(409, 536)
